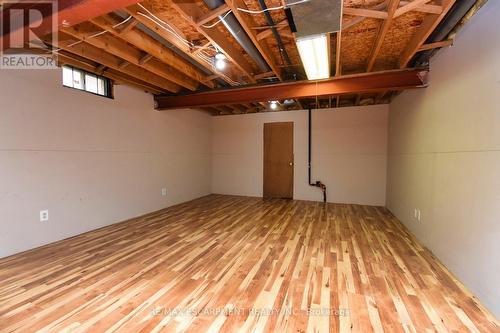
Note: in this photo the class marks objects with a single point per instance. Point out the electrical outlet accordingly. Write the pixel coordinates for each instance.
(164, 192)
(44, 215)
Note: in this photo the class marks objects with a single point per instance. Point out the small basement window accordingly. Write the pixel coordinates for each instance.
(79, 79)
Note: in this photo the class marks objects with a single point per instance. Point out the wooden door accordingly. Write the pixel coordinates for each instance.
(278, 160)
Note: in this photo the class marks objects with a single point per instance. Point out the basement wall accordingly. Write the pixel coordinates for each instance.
(89, 160)
(444, 157)
(348, 153)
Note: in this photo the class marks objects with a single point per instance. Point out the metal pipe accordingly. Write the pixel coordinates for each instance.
(318, 183)
(276, 35)
(236, 30)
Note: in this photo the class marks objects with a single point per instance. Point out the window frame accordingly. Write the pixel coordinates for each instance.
(108, 83)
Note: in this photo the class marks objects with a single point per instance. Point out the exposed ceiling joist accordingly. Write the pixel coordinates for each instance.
(268, 31)
(365, 12)
(191, 12)
(143, 17)
(71, 12)
(148, 44)
(362, 83)
(409, 7)
(384, 27)
(338, 48)
(430, 46)
(129, 26)
(95, 54)
(423, 32)
(264, 75)
(425, 8)
(127, 52)
(212, 15)
(247, 23)
(378, 12)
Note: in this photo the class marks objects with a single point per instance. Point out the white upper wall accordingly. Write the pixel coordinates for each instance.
(348, 153)
(90, 160)
(444, 157)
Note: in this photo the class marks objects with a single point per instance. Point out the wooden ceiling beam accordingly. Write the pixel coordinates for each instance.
(352, 84)
(264, 75)
(268, 31)
(409, 7)
(428, 25)
(129, 26)
(430, 46)
(359, 19)
(69, 13)
(212, 15)
(190, 11)
(145, 59)
(247, 22)
(154, 25)
(423, 8)
(102, 57)
(338, 49)
(148, 44)
(127, 52)
(384, 27)
(365, 12)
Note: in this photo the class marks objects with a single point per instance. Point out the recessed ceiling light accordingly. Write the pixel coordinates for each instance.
(313, 51)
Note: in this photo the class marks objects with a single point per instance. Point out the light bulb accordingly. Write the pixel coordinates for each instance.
(220, 64)
(220, 61)
(274, 105)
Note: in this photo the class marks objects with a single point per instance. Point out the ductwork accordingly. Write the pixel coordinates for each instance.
(236, 30)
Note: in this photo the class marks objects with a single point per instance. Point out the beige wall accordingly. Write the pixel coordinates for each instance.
(444, 157)
(91, 161)
(349, 153)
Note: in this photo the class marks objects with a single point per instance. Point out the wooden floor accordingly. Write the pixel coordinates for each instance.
(230, 264)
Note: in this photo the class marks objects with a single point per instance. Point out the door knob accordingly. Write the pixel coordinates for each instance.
(291, 163)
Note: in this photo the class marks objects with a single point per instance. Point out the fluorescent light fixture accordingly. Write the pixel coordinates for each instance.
(313, 52)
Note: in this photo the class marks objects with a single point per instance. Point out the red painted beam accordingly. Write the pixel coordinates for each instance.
(68, 13)
(353, 84)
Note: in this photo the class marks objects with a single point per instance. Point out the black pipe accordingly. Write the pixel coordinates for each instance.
(276, 35)
(317, 183)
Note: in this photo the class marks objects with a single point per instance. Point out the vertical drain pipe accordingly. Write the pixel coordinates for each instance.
(318, 183)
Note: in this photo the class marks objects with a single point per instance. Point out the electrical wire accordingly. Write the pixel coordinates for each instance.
(218, 21)
(248, 11)
(203, 55)
(97, 34)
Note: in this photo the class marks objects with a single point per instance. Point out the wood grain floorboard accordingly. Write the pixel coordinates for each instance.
(237, 264)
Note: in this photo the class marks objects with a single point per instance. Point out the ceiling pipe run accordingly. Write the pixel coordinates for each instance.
(276, 35)
(236, 30)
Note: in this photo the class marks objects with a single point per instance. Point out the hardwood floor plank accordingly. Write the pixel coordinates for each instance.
(227, 264)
